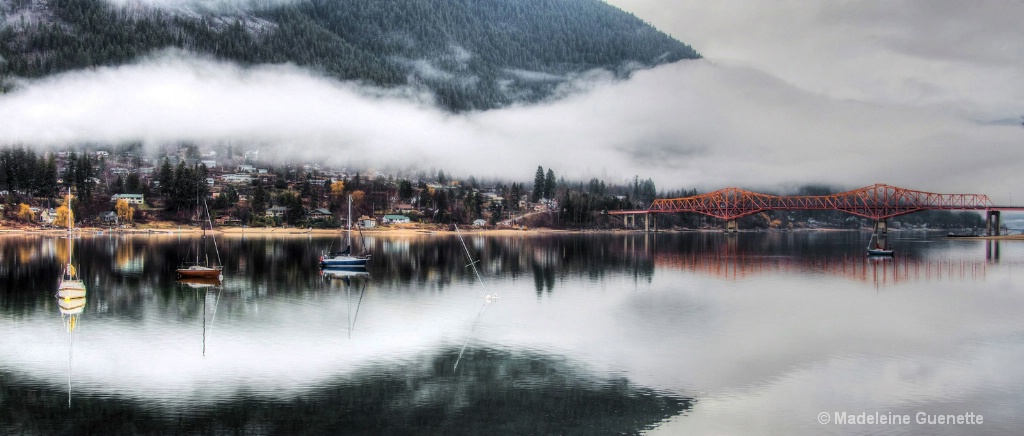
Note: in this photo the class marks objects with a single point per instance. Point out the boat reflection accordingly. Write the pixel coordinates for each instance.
(207, 284)
(330, 274)
(71, 302)
(349, 277)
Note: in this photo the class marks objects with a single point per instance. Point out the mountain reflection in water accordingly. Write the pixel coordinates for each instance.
(494, 392)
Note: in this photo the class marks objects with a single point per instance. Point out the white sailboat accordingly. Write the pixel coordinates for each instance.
(875, 247)
(201, 267)
(71, 290)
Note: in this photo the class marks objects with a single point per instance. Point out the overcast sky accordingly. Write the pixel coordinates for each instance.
(922, 94)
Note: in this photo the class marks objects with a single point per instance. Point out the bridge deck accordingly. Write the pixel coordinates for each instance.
(877, 202)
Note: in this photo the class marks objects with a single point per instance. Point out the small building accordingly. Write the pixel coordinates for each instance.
(210, 163)
(479, 222)
(131, 198)
(246, 168)
(397, 219)
(320, 214)
(236, 178)
(367, 222)
(108, 217)
(228, 220)
(277, 211)
(47, 216)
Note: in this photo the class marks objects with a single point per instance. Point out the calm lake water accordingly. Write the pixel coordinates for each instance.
(670, 333)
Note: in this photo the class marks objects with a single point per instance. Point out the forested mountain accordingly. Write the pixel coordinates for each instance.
(471, 54)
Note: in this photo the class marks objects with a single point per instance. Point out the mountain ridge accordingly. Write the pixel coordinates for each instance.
(470, 54)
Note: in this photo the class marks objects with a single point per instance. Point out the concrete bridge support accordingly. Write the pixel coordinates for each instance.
(881, 228)
(880, 234)
(629, 221)
(731, 226)
(650, 222)
(992, 223)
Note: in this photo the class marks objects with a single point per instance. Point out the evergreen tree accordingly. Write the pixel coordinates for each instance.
(405, 191)
(538, 184)
(166, 178)
(133, 185)
(515, 192)
(259, 200)
(549, 185)
(48, 187)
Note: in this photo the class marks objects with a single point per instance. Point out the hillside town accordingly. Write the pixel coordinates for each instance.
(122, 187)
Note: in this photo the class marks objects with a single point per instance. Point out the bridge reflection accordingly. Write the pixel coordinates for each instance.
(878, 270)
(730, 259)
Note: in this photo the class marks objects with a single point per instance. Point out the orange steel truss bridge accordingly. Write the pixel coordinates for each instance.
(878, 202)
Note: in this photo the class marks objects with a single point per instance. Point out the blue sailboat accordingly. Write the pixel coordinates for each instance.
(345, 258)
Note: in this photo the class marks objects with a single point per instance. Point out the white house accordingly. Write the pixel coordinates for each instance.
(277, 211)
(388, 219)
(236, 178)
(131, 198)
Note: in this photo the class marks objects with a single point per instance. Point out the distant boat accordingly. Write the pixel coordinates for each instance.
(345, 258)
(875, 248)
(201, 266)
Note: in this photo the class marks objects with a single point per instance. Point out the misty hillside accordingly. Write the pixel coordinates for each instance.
(470, 54)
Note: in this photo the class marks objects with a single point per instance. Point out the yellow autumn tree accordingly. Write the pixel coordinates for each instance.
(357, 199)
(61, 220)
(25, 213)
(337, 188)
(125, 211)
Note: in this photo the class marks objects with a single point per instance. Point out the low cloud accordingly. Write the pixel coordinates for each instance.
(687, 124)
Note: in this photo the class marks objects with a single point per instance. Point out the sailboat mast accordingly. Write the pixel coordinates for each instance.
(71, 220)
(348, 242)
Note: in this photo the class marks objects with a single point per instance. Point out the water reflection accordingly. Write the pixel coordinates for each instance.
(128, 268)
(624, 329)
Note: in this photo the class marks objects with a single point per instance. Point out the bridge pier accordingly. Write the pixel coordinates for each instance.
(731, 226)
(881, 228)
(880, 235)
(992, 223)
(648, 224)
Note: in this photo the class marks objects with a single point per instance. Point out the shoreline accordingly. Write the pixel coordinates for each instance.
(405, 230)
